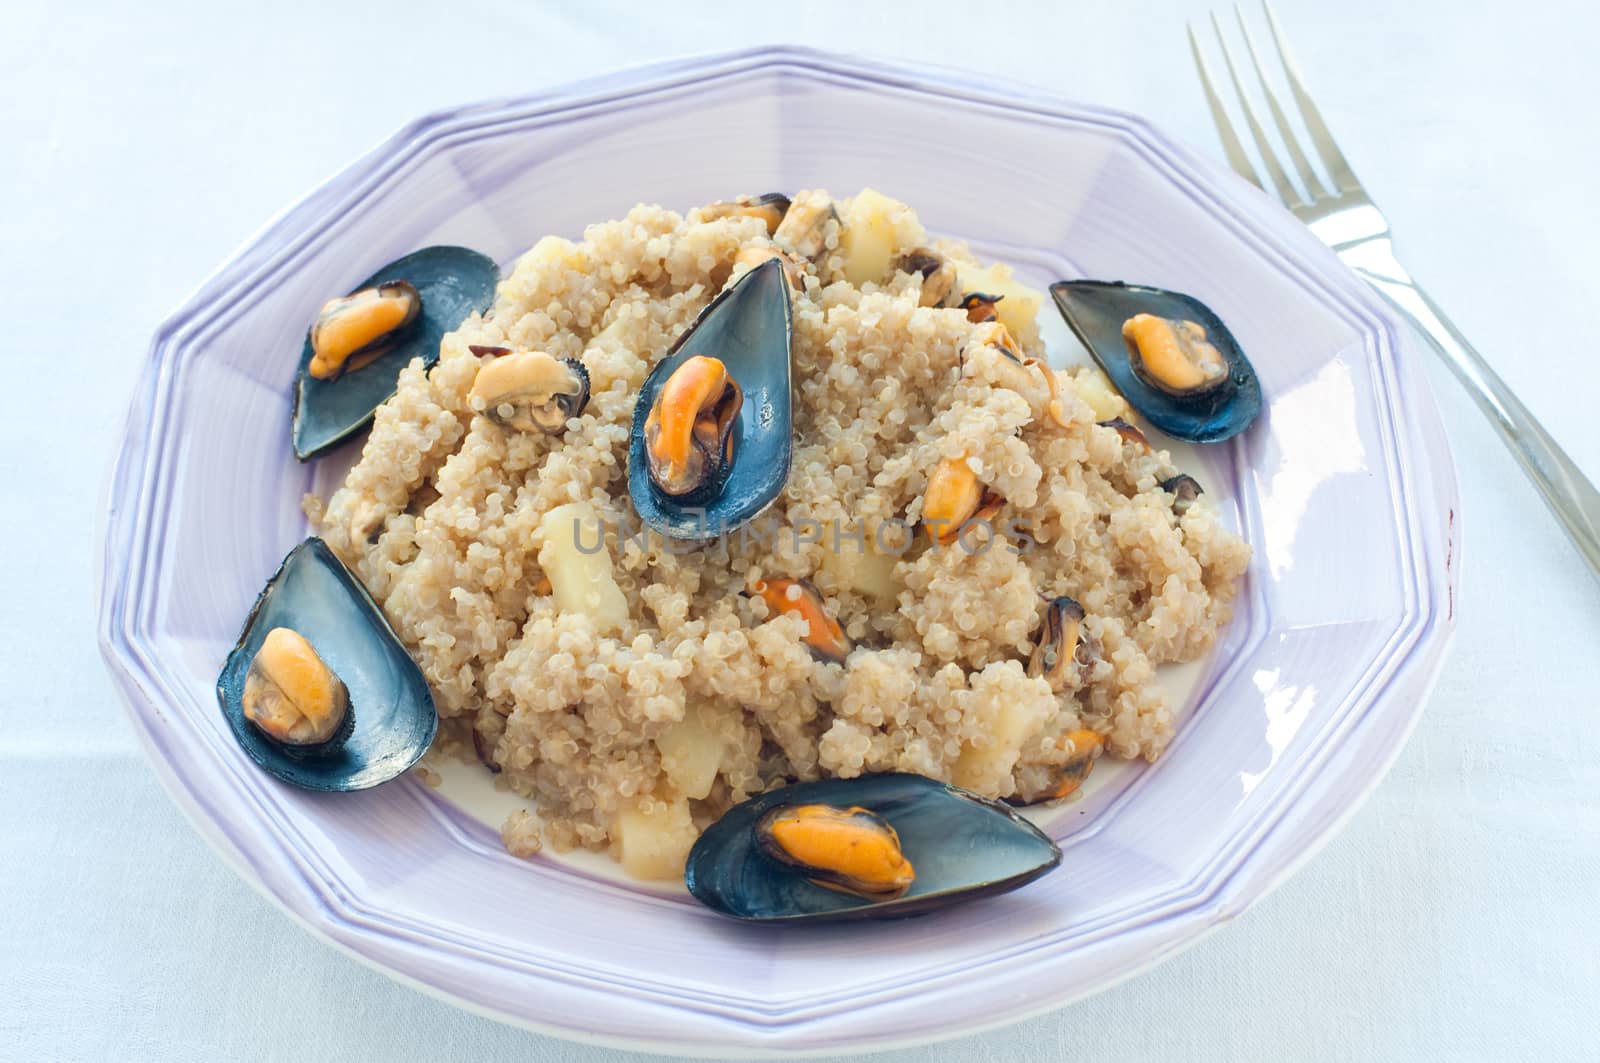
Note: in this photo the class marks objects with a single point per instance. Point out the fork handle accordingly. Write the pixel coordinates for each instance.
(1569, 494)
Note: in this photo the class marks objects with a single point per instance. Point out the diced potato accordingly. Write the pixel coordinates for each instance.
(876, 230)
(863, 570)
(1021, 303)
(983, 769)
(577, 562)
(691, 754)
(1094, 388)
(655, 841)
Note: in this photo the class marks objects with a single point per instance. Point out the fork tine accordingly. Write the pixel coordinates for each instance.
(1230, 140)
(1269, 158)
(1286, 133)
(1327, 147)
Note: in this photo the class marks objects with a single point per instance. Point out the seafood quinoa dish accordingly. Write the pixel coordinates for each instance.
(735, 541)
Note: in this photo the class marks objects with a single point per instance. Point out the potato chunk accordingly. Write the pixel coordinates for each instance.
(988, 769)
(876, 230)
(864, 571)
(691, 753)
(575, 558)
(654, 837)
(1020, 304)
(1094, 388)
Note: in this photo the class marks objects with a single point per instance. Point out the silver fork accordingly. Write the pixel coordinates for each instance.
(1345, 218)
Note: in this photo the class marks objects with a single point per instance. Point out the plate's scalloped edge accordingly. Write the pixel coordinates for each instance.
(1221, 891)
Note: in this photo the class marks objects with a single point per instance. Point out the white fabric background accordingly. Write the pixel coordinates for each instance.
(1458, 915)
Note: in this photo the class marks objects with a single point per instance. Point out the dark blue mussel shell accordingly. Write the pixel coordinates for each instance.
(454, 283)
(314, 594)
(962, 846)
(748, 327)
(1095, 310)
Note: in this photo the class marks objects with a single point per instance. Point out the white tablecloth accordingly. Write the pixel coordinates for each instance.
(1456, 917)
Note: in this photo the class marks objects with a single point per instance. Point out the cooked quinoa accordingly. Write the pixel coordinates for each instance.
(634, 737)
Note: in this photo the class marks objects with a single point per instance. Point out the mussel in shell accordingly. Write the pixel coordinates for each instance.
(367, 338)
(294, 698)
(1174, 355)
(734, 459)
(354, 330)
(688, 434)
(1168, 354)
(951, 845)
(846, 849)
(313, 640)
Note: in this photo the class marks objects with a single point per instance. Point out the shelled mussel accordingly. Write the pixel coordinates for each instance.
(529, 391)
(797, 597)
